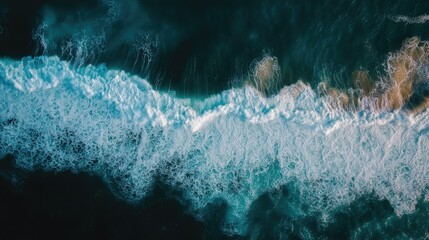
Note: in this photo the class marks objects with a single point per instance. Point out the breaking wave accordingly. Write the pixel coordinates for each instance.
(234, 146)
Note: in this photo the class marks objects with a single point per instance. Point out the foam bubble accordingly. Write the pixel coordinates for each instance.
(235, 145)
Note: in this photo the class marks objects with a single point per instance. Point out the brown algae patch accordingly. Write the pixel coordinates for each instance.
(394, 91)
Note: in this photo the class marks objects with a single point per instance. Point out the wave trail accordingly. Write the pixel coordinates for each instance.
(411, 20)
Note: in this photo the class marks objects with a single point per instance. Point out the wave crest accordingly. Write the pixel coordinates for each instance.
(235, 145)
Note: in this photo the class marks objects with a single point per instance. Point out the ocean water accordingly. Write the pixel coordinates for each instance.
(215, 120)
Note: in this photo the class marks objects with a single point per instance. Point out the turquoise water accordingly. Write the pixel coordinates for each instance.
(255, 116)
(289, 156)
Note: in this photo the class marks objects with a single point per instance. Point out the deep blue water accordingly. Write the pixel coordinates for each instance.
(141, 119)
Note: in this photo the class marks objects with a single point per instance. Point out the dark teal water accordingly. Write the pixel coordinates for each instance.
(74, 206)
(199, 48)
(203, 47)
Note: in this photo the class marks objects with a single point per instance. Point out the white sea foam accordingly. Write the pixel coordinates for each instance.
(411, 20)
(234, 145)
